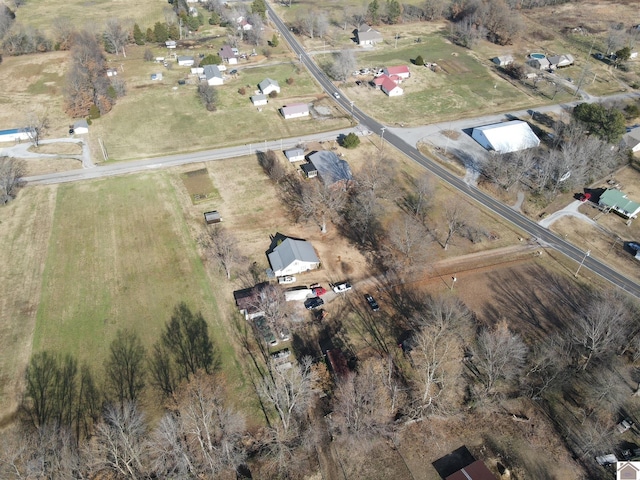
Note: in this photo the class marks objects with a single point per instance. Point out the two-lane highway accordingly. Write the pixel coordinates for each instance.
(544, 236)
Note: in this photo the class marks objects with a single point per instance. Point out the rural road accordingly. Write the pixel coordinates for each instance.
(403, 140)
(395, 138)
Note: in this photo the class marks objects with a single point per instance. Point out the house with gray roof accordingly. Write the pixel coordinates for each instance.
(332, 170)
(292, 256)
(559, 61)
(212, 75)
(294, 154)
(365, 35)
(503, 60)
(631, 139)
(258, 100)
(269, 85)
(186, 60)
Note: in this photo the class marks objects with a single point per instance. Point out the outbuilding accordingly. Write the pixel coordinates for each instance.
(309, 170)
(269, 85)
(81, 127)
(295, 110)
(401, 71)
(186, 61)
(212, 217)
(294, 154)
(365, 35)
(506, 137)
(559, 61)
(258, 100)
(14, 135)
(503, 60)
(390, 87)
(631, 139)
(539, 63)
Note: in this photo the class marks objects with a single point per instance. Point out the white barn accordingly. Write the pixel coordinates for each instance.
(292, 257)
(81, 127)
(258, 100)
(506, 137)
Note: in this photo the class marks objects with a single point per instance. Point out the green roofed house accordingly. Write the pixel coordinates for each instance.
(613, 199)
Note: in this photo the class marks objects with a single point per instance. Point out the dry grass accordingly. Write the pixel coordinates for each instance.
(25, 228)
(62, 148)
(41, 166)
(198, 184)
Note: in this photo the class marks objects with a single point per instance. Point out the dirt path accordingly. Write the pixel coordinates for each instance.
(329, 466)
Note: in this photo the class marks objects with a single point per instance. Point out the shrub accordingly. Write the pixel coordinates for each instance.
(290, 81)
(351, 141)
(94, 112)
(419, 60)
(242, 91)
(148, 55)
(632, 110)
(273, 94)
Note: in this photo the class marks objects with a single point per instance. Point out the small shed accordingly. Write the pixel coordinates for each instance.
(269, 85)
(295, 110)
(309, 170)
(258, 100)
(212, 217)
(170, 44)
(81, 127)
(186, 61)
(294, 154)
(401, 71)
(503, 60)
(156, 76)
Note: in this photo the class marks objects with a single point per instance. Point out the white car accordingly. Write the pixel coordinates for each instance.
(286, 280)
(336, 94)
(341, 287)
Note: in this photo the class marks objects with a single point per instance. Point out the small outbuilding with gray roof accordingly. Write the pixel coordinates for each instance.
(269, 85)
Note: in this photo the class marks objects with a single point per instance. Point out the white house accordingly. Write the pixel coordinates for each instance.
(295, 110)
(559, 61)
(212, 75)
(197, 70)
(80, 127)
(259, 100)
(506, 137)
(269, 85)
(171, 44)
(294, 154)
(539, 63)
(292, 257)
(186, 61)
(228, 55)
(365, 35)
(401, 71)
(390, 87)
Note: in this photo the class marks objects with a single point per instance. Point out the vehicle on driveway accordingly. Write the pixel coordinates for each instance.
(341, 287)
(635, 246)
(313, 303)
(319, 291)
(585, 196)
(372, 302)
(286, 280)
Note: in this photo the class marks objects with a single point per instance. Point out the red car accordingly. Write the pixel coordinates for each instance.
(585, 196)
(319, 291)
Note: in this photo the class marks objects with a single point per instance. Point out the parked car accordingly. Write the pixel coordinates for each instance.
(233, 72)
(341, 287)
(624, 425)
(372, 302)
(599, 56)
(585, 196)
(634, 246)
(319, 291)
(286, 280)
(313, 303)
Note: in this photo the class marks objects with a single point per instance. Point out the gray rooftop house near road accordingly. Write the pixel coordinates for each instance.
(293, 256)
(365, 35)
(269, 85)
(331, 168)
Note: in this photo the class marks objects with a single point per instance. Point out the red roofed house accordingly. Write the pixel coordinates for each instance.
(401, 70)
(390, 87)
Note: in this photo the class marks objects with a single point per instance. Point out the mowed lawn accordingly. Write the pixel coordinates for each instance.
(121, 256)
(158, 118)
(461, 85)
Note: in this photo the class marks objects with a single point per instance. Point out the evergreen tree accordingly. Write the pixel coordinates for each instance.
(394, 11)
(260, 8)
(138, 37)
(373, 12)
(160, 32)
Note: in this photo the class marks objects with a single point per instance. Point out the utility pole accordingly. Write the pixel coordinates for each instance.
(396, 45)
(382, 138)
(453, 282)
(584, 70)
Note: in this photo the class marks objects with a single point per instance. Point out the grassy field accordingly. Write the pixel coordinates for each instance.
(160, 118)
(41, 13)
(122, 256)
(463, 85)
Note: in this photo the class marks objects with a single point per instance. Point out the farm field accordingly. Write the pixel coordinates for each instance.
(122, 262)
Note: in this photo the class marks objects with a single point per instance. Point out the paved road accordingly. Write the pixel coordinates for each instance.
(541, 234)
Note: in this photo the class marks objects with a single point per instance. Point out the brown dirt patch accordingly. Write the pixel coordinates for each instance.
(453, 67)
(199, 185)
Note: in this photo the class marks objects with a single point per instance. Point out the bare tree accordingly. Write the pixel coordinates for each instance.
(600, 329)
(11, 172)
(121, 444)
(420, 197)
(272, 165)
(307, 22)
(407, 238)
(361, 215)
(322, 24)
(222, 247)
(500, 355)
(116, 35)
(7, 17)
(434, 9)
(271, 302)
(321, 202)
(63, 31)
(208, 96)
(508, 169)
(454, 214)
(364, 407)
(547, 366)
(344, 62)
(36, 126)
(289, 392)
